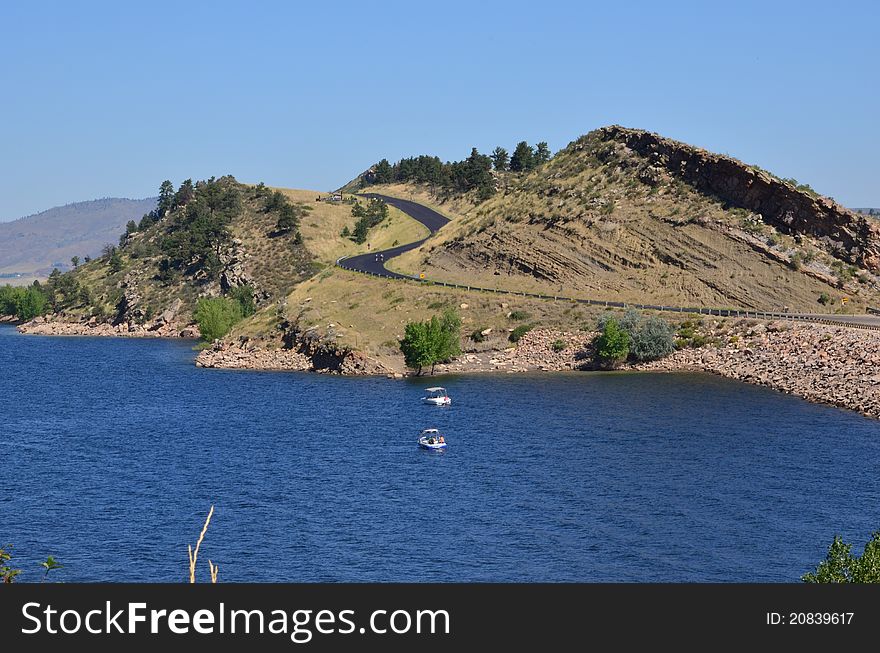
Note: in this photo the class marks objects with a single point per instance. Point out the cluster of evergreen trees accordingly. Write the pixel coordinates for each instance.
(198, 235)
(471, 174)
(368, 216)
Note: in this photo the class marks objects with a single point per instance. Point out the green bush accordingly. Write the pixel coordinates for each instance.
(519, 332)
(477, 335)
(519, 316)
(824, 299)
(244, 295)
(216, 317)
(650, 337)
(558, 345)
(611, 347)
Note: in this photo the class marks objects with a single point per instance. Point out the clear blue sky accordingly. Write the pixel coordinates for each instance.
(107, 99)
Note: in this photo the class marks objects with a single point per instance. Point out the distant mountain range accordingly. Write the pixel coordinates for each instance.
(868, 211)
(33, 245)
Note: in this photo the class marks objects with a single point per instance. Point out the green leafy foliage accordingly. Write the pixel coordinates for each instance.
(824, 299)
(7, 573)
(519, 316)
(244, 295)
(23, 303)
(434, 341)
(611, 346)
(523, 158)
(50, 564)
(477, 335)
(558, 345)
(217, 316)
(841, 566)
(650, 337)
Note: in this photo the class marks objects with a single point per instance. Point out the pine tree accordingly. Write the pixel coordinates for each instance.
(542, 153)
(166, 198)
(523, 157)
(500, 159)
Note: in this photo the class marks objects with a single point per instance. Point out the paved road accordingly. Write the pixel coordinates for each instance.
(374, 263)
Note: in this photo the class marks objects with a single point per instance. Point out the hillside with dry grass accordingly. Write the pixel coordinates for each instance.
(629, 216)
(214, 239)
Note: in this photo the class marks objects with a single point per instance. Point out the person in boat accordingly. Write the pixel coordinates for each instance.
(431, 440)
(441, 440)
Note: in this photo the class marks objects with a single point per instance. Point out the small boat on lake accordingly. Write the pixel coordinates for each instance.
(436, 397)
(432, 440)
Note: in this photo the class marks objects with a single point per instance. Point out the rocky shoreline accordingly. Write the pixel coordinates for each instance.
(820, 363)
(42, 326)
(824, 364)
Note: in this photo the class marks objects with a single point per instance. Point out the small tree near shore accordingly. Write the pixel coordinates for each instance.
(434, 341)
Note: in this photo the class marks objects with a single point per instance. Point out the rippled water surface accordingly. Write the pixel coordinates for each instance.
(114, 449)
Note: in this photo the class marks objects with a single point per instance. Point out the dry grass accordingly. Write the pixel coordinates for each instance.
(321, 228)
(369, 314)
(580, 229)
(194, 553)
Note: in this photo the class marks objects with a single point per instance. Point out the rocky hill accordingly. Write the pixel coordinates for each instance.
(627, 214)
(205, 240)
(33, 245)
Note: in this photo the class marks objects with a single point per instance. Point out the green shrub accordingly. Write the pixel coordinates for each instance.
(519, 316)
(477, 335)
(216, 317)
(519, 332)
(244, 295)
(652, 338)
(611, 347)
(824, 299)
(558, 345)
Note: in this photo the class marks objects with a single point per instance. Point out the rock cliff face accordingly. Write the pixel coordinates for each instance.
(853, 237)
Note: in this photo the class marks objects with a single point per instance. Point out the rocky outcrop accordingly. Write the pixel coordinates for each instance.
(299, 351)
(849, 235)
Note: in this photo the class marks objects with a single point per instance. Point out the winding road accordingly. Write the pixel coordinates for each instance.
(373, 263)
(370, 263)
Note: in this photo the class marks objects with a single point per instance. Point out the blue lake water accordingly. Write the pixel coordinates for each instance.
(113, 450)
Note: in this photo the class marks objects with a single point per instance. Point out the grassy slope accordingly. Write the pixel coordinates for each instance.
(581, 228)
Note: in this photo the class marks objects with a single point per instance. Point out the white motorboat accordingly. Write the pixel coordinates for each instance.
(436, 397)
(432, 440)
